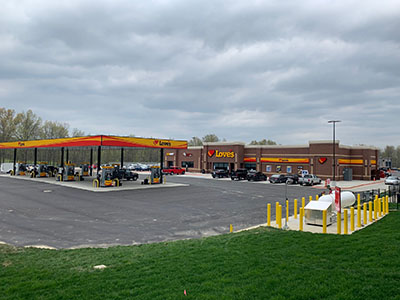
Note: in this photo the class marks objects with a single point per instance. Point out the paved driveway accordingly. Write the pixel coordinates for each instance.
(35, 213)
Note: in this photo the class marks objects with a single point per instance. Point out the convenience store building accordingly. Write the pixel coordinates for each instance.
(351, 162)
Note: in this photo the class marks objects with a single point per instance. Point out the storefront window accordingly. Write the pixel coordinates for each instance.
(289, 169)
(268, 168)
(187, 164)
(250, 166)
(278, 168)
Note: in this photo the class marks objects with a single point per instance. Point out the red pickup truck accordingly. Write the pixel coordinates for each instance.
(173, 170)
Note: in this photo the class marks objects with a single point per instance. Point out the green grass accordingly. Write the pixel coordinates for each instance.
(259, 264)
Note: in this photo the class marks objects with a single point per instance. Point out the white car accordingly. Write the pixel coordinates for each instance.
(392, 180)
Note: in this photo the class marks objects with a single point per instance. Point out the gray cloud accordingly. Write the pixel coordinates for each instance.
(243, 70)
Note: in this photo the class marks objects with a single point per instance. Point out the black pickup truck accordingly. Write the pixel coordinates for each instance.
(239, 174)
(125, 174)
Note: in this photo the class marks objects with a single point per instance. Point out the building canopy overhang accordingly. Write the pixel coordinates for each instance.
(98, 140)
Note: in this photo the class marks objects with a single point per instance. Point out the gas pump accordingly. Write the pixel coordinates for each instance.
(155, 176)
(40, 170)
(84, 169)
(106, 178)
(21, 169)
(67, 173)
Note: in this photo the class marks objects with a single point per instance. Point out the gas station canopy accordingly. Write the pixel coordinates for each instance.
(98, 140)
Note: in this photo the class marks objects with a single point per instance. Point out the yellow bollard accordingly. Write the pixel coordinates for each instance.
(276, 213)
(375, 209)
(387, 204)
(310, 199)
(316, 197)
(345, 222)
(301, 219)
(384, 206)
(339, 222)
(358, 199)
(352, 218)
(295, 209)
(379, 207)
(303, 202)
(370, 211)
(231, 228)
(358, 216)
(365, 213)
(324, 221)
(269, 214)
(287, 211)
(280, 217)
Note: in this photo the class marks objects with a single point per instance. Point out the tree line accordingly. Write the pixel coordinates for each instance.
(210, 138)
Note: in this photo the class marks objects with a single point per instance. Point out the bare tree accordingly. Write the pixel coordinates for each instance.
(76, 132)
(195, 141)
(54, 130)
(210, 138)
(8, 125)
(28, 126)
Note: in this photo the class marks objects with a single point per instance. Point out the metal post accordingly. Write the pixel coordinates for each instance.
(334, 147)
(62, 157)
(98, 159)
(67, 156)
(161, 164)
(334, 153)
(35, 157)
(122, 158)
(91, 162)
(15, 160)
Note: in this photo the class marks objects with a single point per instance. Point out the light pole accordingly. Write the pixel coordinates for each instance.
(334, 147)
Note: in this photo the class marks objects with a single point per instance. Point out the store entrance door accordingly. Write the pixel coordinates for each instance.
(220, 166)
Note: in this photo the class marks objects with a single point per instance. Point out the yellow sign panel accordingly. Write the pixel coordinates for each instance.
(351, 161)
(285, 160)
(142, 142)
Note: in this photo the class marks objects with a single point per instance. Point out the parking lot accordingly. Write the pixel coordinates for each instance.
(34, 212)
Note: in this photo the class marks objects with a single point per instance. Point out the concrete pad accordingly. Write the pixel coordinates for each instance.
(87, 184)
(294, 224)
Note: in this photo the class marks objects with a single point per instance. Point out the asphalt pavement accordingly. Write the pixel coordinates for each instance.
(35, 213)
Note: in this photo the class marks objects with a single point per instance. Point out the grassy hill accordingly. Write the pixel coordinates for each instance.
(259, 264)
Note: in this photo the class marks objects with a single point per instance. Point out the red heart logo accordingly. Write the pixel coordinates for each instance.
(155, 142)
(322, 160)
(211, 153)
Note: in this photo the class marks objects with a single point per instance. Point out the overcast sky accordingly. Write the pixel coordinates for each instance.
(244, 70)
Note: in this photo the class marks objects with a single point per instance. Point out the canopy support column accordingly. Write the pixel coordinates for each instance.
(161, 164)
(67, 156)
(62, 158)
(91, 162)
(122, 158)
(15, 160)
(35, 157)
(98, 159)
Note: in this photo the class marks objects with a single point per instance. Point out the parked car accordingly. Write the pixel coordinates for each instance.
(278, 178)
(173, 170)
(239, 174)
(392, 180)
(293, 177)
(309, 179)
(220, 173)
(256, 176)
